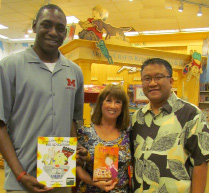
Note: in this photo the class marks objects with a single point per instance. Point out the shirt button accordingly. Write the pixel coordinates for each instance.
(54, 113)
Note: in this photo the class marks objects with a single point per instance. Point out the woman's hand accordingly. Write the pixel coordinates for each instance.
(81, 156)
(105, 185)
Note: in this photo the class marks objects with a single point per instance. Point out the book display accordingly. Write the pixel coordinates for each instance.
(56, 161)
(204, 93)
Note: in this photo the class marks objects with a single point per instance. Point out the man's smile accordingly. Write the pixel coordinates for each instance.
(153, 90)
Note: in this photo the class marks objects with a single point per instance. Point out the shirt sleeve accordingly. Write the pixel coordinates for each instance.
(6, 95)
(197, 139)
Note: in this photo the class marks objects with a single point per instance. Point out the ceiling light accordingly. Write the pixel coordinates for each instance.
(72, 19)
(169, 7)
(3, 37)
(131, 33)
(160, 32)
(168, 4)
(26, 36)
(75, 37)
(30, 31)
(22, 39)
(181, 7)
(199, 12)
(200, 5)
(130, 0)
(3, 27)
(204, 29)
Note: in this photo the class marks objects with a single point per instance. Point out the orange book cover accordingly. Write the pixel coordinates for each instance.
(105, 163)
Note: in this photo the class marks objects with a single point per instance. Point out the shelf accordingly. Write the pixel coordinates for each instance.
(91, 93)
(204, 103)
(204, 91)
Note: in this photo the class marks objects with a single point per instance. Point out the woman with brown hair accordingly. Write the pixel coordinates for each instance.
(109, 127)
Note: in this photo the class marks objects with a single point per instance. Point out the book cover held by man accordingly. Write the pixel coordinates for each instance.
(56, 161)
(105, 163)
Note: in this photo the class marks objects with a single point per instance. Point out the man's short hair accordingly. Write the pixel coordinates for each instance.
(159, 61)
(48, 6)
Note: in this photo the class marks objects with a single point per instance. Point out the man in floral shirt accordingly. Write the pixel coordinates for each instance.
(170, 137)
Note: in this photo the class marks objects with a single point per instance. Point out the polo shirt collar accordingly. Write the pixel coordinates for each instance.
(32, 57)
(168, 106)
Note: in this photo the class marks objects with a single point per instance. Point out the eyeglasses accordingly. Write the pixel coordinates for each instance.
(157, 79)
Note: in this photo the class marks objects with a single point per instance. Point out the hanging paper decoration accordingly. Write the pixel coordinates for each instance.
(194, 68)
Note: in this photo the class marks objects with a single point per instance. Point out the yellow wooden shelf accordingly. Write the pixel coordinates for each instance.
(86, 51)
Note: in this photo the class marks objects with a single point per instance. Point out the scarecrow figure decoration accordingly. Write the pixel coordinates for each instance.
(194, 68)
(92, 32)
(93, 28)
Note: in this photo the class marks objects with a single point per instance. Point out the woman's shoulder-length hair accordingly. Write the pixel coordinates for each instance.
(116, 92)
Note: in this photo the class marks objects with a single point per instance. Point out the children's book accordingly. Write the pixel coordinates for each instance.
(105, 163)
(56, 161)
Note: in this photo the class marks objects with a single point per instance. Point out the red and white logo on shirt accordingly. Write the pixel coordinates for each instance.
(70, 83)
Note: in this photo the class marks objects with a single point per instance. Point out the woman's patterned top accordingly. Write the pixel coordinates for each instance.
(88, 138)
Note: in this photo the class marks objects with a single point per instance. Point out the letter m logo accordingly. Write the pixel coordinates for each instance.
(70, 83)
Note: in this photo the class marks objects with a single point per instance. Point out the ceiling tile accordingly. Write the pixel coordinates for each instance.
(140, 14)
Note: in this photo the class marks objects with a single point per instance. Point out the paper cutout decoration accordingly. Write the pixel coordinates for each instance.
(194, 68)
